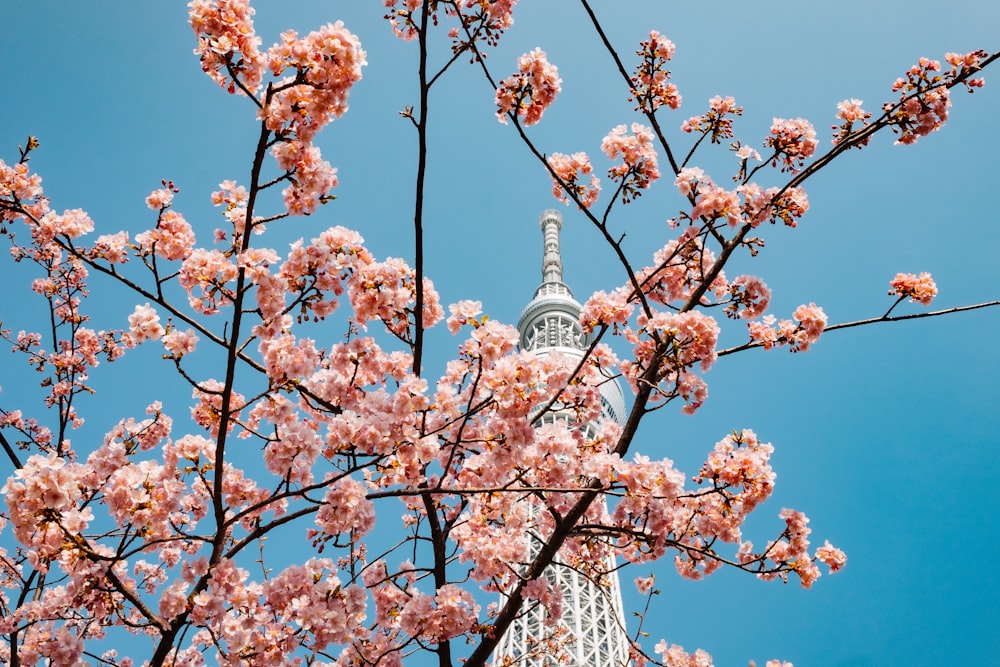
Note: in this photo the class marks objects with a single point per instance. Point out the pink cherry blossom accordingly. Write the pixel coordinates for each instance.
(639, 168)
(650, 87)
(603, 309)
(799, 336)
(752, 294)
(747, 153)
(715, 122)
(921, 289)
(178, 343)
(402, 20)
(673, 655)
(812, 321)
(773, 204)
(832, 557)
(850, 112)
(463, 313)
(73, 223)
(172, 238)
(111, 247)
(208, 272)
(792, 141)
(325, 65)
(567, 168)
(311, 176)
(448, 613)
(227, 45)
(144, 324)
(645, 584)
(159, 199)
(529, 91)
(924, 95)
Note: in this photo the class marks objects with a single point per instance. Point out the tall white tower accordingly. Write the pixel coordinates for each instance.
(592, 622)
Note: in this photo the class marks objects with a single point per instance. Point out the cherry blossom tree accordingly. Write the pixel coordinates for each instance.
(166, 528)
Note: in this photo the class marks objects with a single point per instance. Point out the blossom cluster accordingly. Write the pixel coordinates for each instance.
(793, 140)
(921, 289)
(651, 88)
(568, 172)
(925, 96)
(638, 169)
(324, 66)
(172, 238)
(748, 203)
(481, 20)
(850, 112)
(717, 121)
(529, 91)
(227, 44)
(798, 335)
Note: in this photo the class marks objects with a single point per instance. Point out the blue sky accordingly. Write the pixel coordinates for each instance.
(887, 436)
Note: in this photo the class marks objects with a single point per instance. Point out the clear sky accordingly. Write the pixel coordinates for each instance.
(888, 437)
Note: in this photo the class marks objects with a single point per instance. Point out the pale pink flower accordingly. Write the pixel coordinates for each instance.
(449, 613)
(639, 168)
(500, 11)
(688, 179)
(208, 271)
(226, 40)
(716, 121)
(111, 247)
(325, 64)
(650, 87)
(159, 199)
(746, 153)
(760, 205)
(689, 338)
(172, 239)
(402, 22)
(799, 336)
(566, 168)
(812, 321)
(764, 332)
(850, 112)
(713, 203)
(673, 655)
(178, 343)
(346, 507)
(208, 411)
(793, 140)
(921, 289)
(288, 358)
(924, 95)
(752, 294)
(603, 309)
(144, 324)
(311, 176)
(831, 556)
(72, 223)
(462, 313)
(529, 91)
(645, 584)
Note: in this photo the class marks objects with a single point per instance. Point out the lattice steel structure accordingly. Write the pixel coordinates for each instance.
(592, 625)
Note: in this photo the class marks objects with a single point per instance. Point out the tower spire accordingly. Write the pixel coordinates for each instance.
(552, 318)
(551, 223)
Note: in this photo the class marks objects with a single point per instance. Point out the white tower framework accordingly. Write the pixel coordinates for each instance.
(592, 624)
